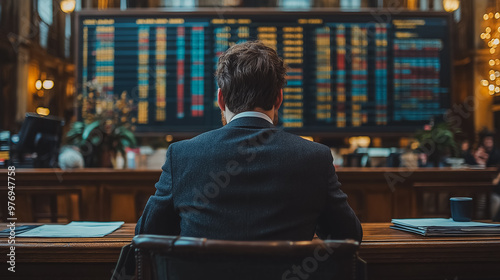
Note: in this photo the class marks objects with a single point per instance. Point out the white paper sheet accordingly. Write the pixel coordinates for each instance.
(74, 229)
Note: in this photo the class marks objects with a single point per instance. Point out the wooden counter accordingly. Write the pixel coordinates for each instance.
(394, 254)
(390, 254)
(65, 258)
(376, 194)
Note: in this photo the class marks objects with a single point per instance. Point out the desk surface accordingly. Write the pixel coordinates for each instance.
(390, 254)
(377, 238)
(384, 245)
(96, 249)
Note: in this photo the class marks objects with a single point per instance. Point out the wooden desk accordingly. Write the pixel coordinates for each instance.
(65, 258)
(394, 254)
(390, 254)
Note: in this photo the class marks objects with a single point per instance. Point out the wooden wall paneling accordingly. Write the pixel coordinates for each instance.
(433, 198)
(124, 203)
(356, 199)
(379, 206)
(121, 194)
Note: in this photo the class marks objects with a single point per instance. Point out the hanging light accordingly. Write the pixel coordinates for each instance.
(68, 6)
(48, 84)
(38, 84)
(451, 5)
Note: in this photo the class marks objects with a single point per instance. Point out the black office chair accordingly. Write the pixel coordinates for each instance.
(173, 257)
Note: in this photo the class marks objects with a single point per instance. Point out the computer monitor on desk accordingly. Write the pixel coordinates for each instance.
(40, 135)
(374, 157)
(356, 160)
(4, 148)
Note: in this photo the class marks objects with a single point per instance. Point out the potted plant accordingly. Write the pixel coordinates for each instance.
(105, 129)
(437, 142)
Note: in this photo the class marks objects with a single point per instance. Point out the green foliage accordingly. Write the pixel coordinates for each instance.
(107, 125)
(440, 140)
(102, 136)
(74, 135)
(96, 133)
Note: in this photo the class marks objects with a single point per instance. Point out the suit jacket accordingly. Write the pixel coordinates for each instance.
(493, 158)
(249, 181)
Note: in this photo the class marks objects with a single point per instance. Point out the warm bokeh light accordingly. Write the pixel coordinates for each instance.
(451, 5)
(68, 6)
(415, 145)
(308, 138)
(491, 37)
(43, 111)
(360, 141)
(38, 85)
(377, 142)
(48, 84)
(169, 138)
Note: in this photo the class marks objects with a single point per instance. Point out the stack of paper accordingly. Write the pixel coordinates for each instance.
(18, 230)
(74, 229)
(445, 227)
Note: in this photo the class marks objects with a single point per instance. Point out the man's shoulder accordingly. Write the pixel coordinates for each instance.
(297, 147)
(280, 138)
(200, 140)
(305, 143)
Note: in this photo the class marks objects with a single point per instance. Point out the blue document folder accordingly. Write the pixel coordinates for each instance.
(74, 229)
(445, 227)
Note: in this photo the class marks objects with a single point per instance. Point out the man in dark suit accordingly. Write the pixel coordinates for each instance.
(249, 180)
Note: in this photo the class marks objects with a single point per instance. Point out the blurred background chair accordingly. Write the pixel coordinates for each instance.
(173, 257)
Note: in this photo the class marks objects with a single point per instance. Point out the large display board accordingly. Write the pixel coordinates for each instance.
(347, 71)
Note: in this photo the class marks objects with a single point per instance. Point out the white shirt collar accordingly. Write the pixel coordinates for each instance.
(252, 114)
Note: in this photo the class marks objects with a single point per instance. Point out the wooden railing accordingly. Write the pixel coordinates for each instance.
(375, 194)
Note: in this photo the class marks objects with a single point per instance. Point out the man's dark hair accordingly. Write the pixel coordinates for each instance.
(250, 75)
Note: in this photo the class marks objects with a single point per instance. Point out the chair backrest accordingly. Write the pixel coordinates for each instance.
(174, 257)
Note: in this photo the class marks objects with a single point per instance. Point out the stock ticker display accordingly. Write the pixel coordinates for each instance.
(347, 71)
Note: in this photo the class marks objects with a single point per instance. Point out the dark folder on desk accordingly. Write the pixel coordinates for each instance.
(445, 227)
(17, 230)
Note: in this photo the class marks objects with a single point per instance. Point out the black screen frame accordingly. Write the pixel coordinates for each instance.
(383, 15)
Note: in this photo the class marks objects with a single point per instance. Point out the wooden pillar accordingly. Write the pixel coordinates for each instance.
(20, 48)
(483, 102)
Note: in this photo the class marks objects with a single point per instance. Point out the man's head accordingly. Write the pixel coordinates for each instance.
(465, 146)
(250, 78)
(488, 143)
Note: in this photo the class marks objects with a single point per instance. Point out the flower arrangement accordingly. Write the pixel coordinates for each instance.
(106, 128)
(437, 141)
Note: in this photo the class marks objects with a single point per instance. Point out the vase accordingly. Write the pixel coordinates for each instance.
(106, 158)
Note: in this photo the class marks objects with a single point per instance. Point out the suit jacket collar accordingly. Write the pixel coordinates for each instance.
(250, 122)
